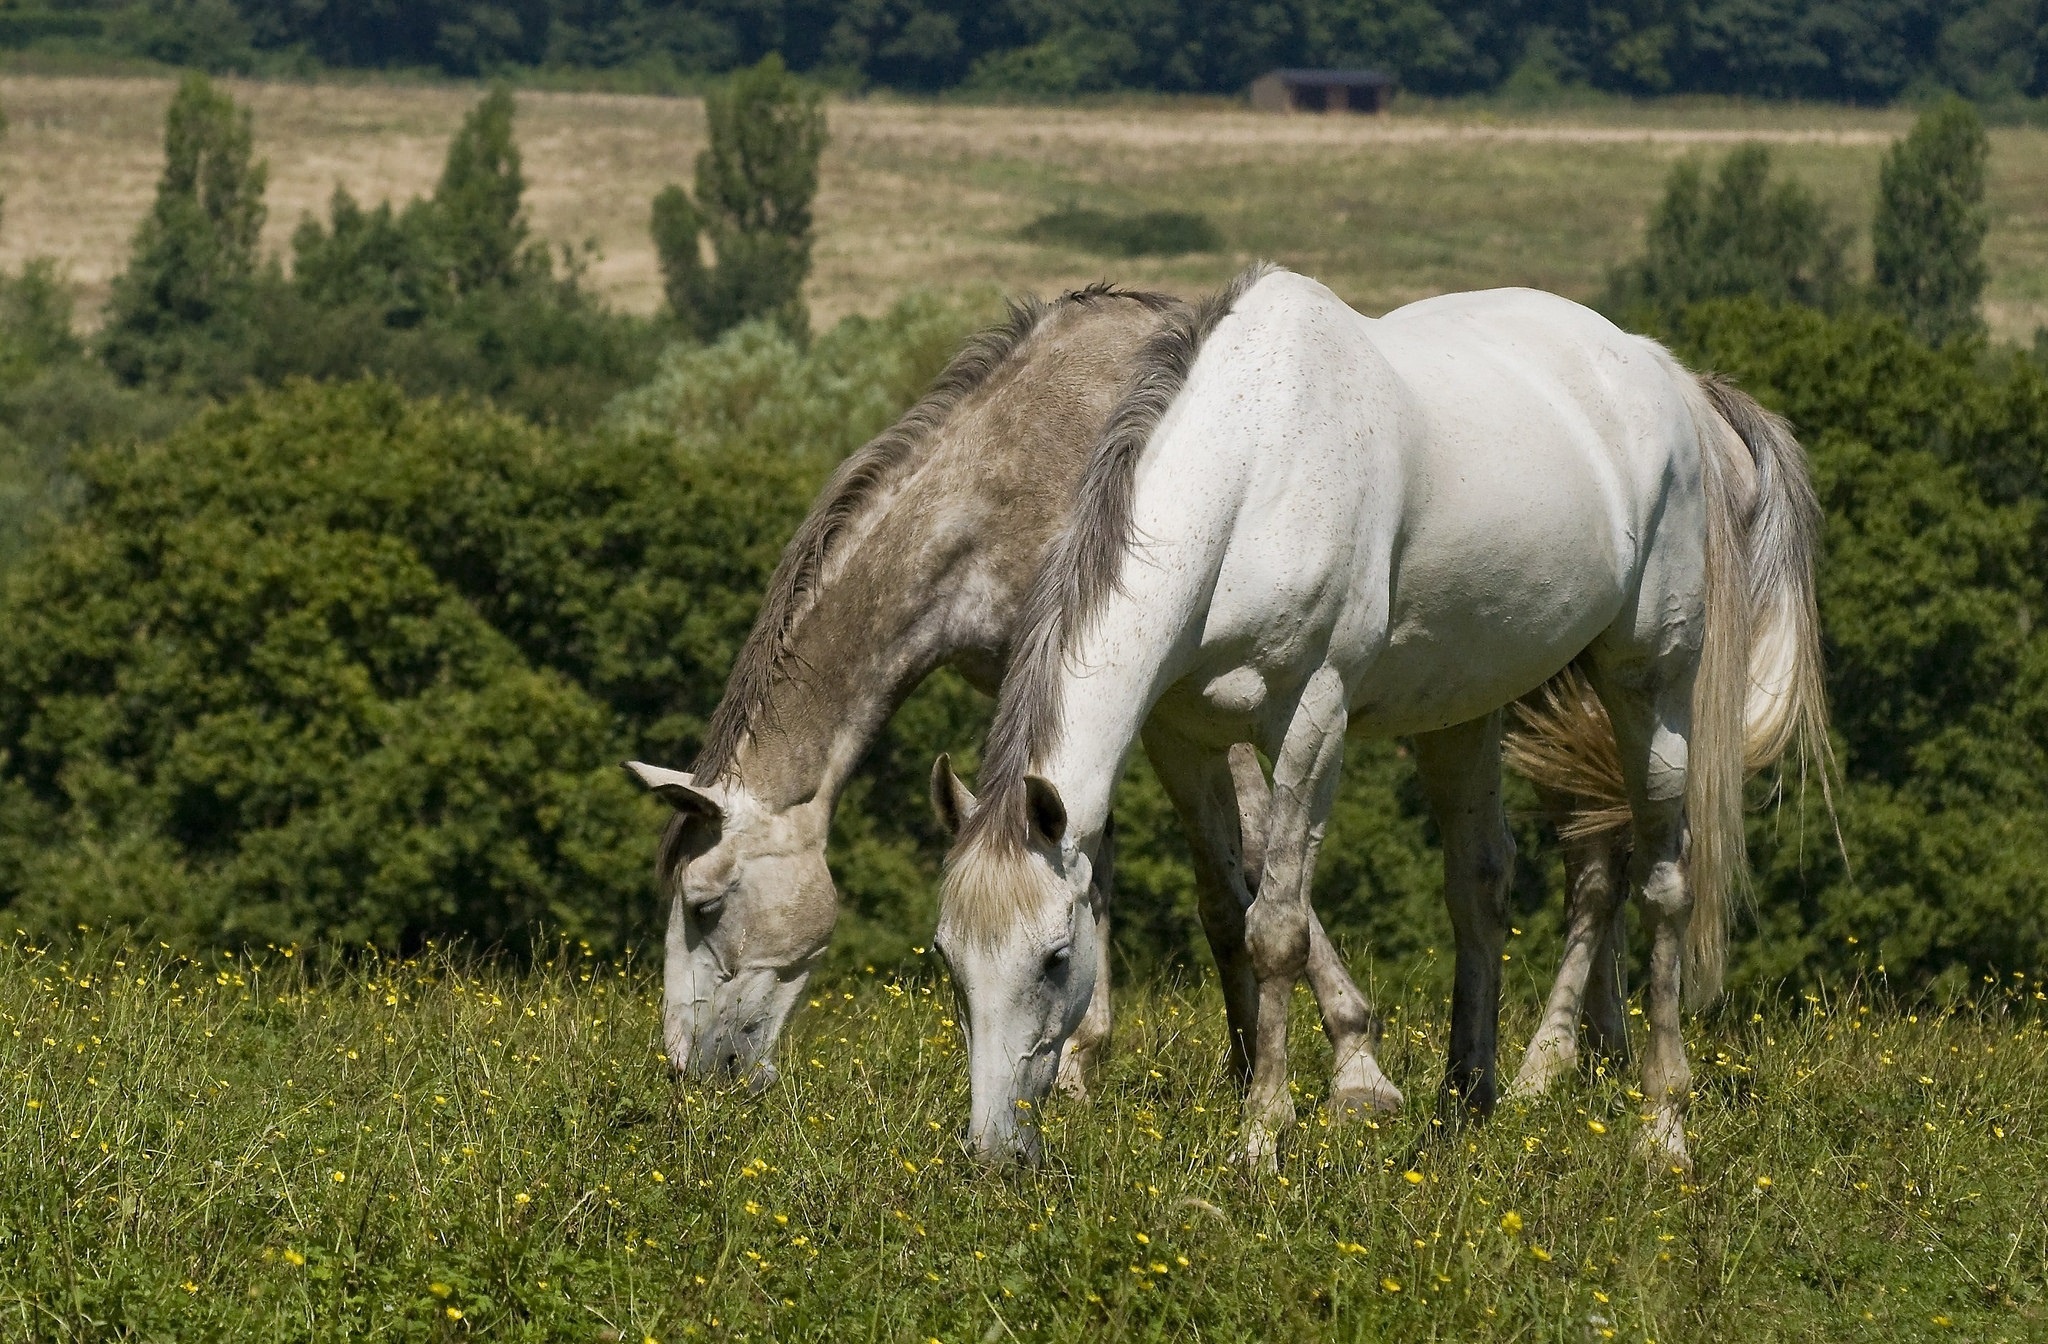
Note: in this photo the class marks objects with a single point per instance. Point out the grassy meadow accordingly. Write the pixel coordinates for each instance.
(433, 1149)
(1435, 197)
(448, 1146)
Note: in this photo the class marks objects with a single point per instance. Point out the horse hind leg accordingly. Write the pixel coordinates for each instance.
(1652, 723)
(1460, 771)
(1586, 982)
(1606, 1015)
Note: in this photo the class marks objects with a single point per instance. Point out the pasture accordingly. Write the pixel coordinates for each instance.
(444, 1147)
(431, 1149)
(1436, 197)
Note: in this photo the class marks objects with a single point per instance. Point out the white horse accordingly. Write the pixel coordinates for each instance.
(1305, 523)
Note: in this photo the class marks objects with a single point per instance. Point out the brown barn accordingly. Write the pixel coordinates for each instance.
(1322, 91)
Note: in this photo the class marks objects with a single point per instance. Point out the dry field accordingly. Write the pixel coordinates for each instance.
(919, 194)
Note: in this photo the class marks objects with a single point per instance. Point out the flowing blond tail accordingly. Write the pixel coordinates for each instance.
(1758, 694)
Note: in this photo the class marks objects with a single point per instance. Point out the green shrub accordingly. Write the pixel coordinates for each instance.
(253, 698)
(450, 294)
(1164, 233)
(1930, 465)
(1927, 239)
(178, 315)
(752, 204)
(53, 400)
(1742, 235)
(478, 209)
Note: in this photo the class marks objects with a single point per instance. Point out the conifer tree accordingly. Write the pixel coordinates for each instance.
(185, 295)
(1740, 235)
(1927, 239)
(478, 202)
(754, 186)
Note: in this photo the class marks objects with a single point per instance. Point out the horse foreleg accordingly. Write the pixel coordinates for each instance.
(1198, 782)
(1305, 773)
(1091, 1038)
(1357, 1086)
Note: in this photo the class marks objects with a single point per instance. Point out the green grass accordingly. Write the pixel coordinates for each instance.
(244, 1151)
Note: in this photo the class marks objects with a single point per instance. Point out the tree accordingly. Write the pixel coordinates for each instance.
(1741, 236)
(176, 313)
(753, 196)
(1927, 240)
(477, 205)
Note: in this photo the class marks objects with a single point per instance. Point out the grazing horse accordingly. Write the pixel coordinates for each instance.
(918, 552)
(1302, 523)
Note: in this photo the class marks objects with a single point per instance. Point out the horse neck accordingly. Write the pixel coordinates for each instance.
(935, 570)
(837, 690)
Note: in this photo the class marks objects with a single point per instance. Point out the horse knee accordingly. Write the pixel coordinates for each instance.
(1664, 889)
(1478, 888)
(1276, 935)
(1493, 860)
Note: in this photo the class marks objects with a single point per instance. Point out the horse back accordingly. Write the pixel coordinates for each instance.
(1485, 472)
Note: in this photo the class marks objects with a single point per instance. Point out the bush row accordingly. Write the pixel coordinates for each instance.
(335, 665)
(1781, 48)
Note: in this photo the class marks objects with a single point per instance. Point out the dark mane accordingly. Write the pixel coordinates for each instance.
(1081, 568)
(856, 484)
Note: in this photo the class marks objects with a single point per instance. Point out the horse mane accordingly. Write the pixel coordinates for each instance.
(1081, 569)
(857, 483)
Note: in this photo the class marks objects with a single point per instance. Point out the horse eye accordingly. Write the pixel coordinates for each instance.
(1057, 959)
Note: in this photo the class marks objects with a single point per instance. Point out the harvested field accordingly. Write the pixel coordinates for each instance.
(1385, 210)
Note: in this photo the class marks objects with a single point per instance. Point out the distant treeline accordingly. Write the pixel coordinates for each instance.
(1858, 50)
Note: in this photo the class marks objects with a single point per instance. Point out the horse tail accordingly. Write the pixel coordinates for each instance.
(1768, 534)
(1758, 693)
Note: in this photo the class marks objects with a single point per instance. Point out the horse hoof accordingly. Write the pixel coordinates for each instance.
(1662, 1146)
(1363, 1103)
(1261, 1149)
(1543, 1065)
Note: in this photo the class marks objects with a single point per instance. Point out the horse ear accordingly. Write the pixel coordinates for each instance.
(678, 790)
(1043, 806)
(952, 802)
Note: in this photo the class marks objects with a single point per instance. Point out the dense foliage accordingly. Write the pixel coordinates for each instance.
(1933, 468)
(333, 664)
(329, 664)
(1927, 238)
(1743, 234)
(1865, 51)
(752, 205)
